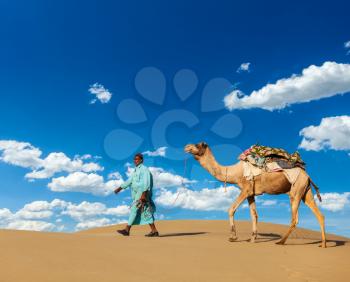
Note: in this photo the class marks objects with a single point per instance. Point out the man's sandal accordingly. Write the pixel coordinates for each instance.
(152, 234)
(123, 232)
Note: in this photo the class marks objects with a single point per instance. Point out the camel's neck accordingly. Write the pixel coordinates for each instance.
(230, 173)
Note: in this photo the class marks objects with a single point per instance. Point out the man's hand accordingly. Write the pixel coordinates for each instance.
(142, 201)
(118, 190)
(143, 197)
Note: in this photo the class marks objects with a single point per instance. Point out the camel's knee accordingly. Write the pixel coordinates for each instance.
(322, 221)
(254, 215)
(322, 218)
(294, 222)
(231, 212)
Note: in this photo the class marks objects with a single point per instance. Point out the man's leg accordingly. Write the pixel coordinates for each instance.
(132, 217)
(154, 231)
(125, 231)
(153, 227)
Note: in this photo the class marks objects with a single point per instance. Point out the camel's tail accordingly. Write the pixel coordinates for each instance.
(316, 189)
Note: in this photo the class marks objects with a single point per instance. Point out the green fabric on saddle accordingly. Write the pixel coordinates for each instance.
(259, 155)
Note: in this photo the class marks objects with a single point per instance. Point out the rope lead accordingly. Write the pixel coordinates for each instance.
(225, 181)
(182, 182)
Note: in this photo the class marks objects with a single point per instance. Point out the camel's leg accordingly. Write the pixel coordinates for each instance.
(242, 196)
(291, 203)
(254, 216)
(310, 202)
(295, 202)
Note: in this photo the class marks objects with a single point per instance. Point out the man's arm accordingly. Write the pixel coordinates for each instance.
(124, 185)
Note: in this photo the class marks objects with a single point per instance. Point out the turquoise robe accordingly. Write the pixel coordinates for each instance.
(140, 181)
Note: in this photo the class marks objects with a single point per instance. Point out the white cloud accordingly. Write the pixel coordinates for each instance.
(219, 199)
(87, 210)
(121, 210)
(97, 223)
(5, 215)
(31, 225)
(85, 183)
(201, 200)
(39, 209)
(44, 205)
(164, 179)
(347, 46)
(159, 152)
(115, 175)
(32, 211)
(25, 155)
(84, 157)
(93, 223)
(268, 202)
(23, 219)
(102, 94)
(315, 82)
(332, 133)
(334, 201)
(36, 215)
(59, 162)
(21, 154)
(90, 215)
(244, 67)
(82, 176)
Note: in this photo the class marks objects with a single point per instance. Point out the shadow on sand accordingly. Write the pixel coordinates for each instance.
(330, 243)
(266, 237)
(182, 234)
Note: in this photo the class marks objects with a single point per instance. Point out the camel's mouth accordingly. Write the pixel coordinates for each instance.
(195, 149)
(188, 148)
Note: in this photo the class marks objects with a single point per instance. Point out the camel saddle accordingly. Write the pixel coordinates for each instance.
(259, 155)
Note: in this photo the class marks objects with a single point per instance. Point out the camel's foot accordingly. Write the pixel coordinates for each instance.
(280, 242)
(323, 245)
(253, 237)
(232, 239)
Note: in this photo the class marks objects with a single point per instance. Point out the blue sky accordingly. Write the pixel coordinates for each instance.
(167, 65)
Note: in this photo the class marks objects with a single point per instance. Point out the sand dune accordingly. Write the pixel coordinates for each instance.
(187, 251)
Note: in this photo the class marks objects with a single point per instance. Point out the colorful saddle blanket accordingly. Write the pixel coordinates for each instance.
(259, 155)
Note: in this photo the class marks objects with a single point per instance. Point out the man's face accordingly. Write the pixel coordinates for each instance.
(137, 160)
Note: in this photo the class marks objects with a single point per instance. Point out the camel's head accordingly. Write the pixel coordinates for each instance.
(197, 150)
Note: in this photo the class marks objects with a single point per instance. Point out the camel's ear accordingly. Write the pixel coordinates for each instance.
(204, 145)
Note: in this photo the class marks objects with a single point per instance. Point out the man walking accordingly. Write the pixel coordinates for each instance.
(142, 208)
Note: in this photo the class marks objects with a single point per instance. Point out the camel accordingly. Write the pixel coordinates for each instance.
(272, 183)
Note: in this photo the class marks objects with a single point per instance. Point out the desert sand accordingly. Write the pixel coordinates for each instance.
(186, 251)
